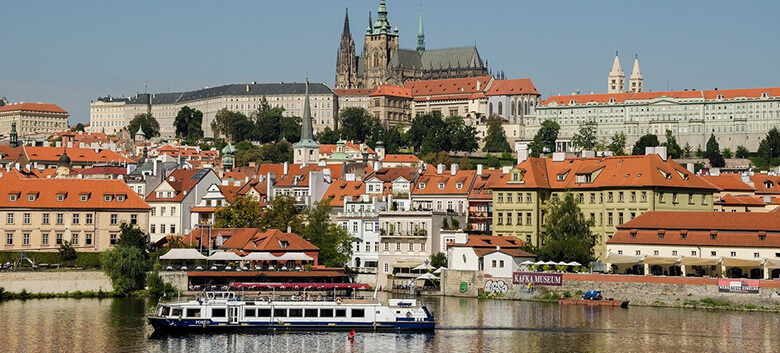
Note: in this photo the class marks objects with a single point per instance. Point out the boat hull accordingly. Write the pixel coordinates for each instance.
(199, 325)
(603, 302)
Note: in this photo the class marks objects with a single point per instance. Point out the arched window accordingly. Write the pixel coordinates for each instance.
(513, 108)
(525, 108)
(490, 109)
(500, 108)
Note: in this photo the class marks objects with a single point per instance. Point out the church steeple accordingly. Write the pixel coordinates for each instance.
(306, 150)
(368, 29)
(420, 36)
(382, 25)
(616, 82)
(636, 79)
(13, 136)
(346, 62)
(345, 32)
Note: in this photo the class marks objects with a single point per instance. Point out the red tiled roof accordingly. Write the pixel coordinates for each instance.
(353, 92)
(512, 87)
(392, 91)
(451, 86)
(32, 107)
(622, 97)
(229, 191)
(328, 149)
(432, 181)
(490, 241)
(766, 184)
(48, 189)
(339, 189)
(272, 240)
(391, 174)
(511, 252)
(77, 155)
(182, 182)
(401, 158)
(482, 183)
(728, 182)
(731, 200)
(736, 221)
(102, 170)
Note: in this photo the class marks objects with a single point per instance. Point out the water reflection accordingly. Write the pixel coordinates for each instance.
(118, 325)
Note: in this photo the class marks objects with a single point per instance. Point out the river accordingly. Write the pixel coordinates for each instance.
(466, 325)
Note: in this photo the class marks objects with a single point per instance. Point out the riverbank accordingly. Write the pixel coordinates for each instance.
(58, 281)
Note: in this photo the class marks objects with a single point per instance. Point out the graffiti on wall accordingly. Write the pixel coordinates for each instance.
(464, 287)
(496, 286)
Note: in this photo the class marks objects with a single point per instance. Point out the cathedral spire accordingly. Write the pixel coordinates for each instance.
(420, 35)
(382, 25)
(368, 29)
(635, 81)
(345, 32)
(616, 79)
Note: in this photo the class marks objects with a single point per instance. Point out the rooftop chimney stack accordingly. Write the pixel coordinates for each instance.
(440, 168)
(453, 169)
(522, 154)
(479, 169)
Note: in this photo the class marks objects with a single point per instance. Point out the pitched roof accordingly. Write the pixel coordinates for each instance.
(445, 183)
(391, 174)
(483, 183)
(622, 97)
(449, 87)
(392, 91)
(32, 107)
(46, 191)
(765, 183)
(101, 170)
(728, 182)
(353, 92)
(77, 155)
(272, 240)
(182, 181)
(623, 171)
(329, 149)
(731, 200)
(229, 191)
(457, 57)
(340, 189)
(490, 241)
(737, 221)
(401, 158)
(511, 252)
(512, 87)
(254, 89)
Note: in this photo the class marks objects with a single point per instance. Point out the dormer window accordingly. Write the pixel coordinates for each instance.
(459, 186)
(515, 176)
(422, 186)
(768, 184)
(61, 197)
(84, 197)
(13, 197)
(107, 198)
(441, 186)
(120, 198)
(284, 244)
(32, 197)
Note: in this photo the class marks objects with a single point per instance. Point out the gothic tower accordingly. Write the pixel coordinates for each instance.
(381, 43)
(617, 79)
(636, 80)
(346, 62)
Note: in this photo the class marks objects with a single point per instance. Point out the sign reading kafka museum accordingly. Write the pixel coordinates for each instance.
(537, 278)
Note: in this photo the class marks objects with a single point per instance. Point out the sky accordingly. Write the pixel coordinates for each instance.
(71, 52)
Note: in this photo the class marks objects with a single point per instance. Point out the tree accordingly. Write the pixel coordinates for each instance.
(147, 123)
(80, 128)
(269, 122)
(567, 232)
(713, 148)
(124, 265)
(67, 253)
(157, 288)
(648, 140)
(544, 140)
(280, 214)
(492, 161)
(393, 139)
(439, 259)
(334, 242)
(437, 158)
(355, 124)
(279, 152)
(132, 236)
(742, 152)
(618, 144)
(495, 139)
(328, 136)
(290, 129)
(586, 138)
(235, 126)
(673, 148)
(687, 151)
(465, 163)
(244, 212)
(457, 136)
(424, 131)
(769, 147)
(727, 154)
(717, 161)
(243, 157)
(188, 123)
(699, 152)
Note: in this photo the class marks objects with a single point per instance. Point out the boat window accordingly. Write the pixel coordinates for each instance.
(326, 312)
(358, 312)
(175, 311)
(341, 312)
(280, 312)
(250, 312)
(296, 313)
(310, 312)
(218, 312)
(166, 310)
(263, 312)
(193, 312)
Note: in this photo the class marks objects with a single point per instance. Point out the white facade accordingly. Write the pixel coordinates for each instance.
(361, 219)
(174, 217)
(107, 114)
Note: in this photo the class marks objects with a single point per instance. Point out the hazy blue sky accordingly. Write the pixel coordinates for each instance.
(70, 52)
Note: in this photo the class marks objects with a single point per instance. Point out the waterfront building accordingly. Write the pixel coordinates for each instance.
(679, 243)
(32, 118)
(202, 214)
(172, 200)
(384, 62)
(609, 190)
(39, 214)
(244, 98)
(395, 184)
(444, 190)
(358, 213)
(481, 200)
(496, 257)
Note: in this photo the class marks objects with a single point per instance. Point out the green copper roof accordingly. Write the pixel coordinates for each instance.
(229, 149)
(307, 133)
(140, 130)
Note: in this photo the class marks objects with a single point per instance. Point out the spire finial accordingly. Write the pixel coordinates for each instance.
(420, 34)
(346, 32)
(616, 53)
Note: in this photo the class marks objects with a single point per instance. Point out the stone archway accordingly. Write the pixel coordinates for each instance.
(734, 272)
(756, 273)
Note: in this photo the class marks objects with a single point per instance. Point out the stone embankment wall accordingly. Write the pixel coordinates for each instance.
(640, 290)
(176, 278)
(55, 281)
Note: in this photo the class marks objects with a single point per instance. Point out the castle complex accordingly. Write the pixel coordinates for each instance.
(383, 62)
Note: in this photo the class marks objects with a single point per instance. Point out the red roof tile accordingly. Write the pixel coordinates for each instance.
(401, 158)
(728, 182)
(392, 91)
(622, 97)
(445, 183)
(32, 107)
(353, 92)
(446, 87)
(512, 87)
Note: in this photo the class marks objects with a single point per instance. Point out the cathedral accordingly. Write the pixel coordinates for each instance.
(383, 62)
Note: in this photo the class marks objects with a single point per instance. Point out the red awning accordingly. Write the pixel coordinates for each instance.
(247, 285)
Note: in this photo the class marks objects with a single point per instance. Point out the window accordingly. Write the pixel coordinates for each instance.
(633, 196)
(755, 254)
(112, 239)
(733, 253)
(661, 197)
(508, 218)
(58, 239)
(263, 312)
(501, 263)
(459, 186)
(644, 196)
(639, 252)
(674, 197)
(713, 253)
(152, 229)
(509, 197)
(398, 246)
(422, 247)
(609, 218)
(528, 197)
(88, 218)
(173, 210)
(655, 252)
(494, 264)
(26, 218)
(500, 218)
(12, 197)
(61, 197)
(500, 197)
(107, 198)
(295, 312)
(610, 198)
(674, 252)
(9, 219)
(519, 218)
(154, 211)
(387, 267)
(173, 229)
(9, 239)
(162, 211)
(703, 199)
(84, 197)
(88, 239)
(581, 198)
(422, 185)
(310, 312)
(441, 185)
(690, 199)
(528, 219)
(620, 196)
(75, 239)
(386, 246)
(45, 218)
(120, 198)
(75, 218)
(31, 197)
(219, 312)
(133, 219)
(620, 252)
(411, 247)
(113, 219)
(341, 312)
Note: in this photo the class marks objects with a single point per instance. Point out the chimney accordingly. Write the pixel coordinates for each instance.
(248, 88)
(649, 150)
(321, 163)
(690, 167)
(767, 199)
(479, 169)
(461, 238)
(440, 168)
(505, 169)
(377, 165)
(661, 151)
(326, 173)
(479, 85)
(558, 156)
(588, 154)
(522, 154)
(714, 171)
(453, 169)
(286, 168)
(289, 229)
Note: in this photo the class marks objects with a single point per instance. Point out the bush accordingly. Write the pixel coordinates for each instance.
(68, 254)
(83, 259)
(157, 288)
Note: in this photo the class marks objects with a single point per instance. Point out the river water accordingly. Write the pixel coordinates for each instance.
(466, 325)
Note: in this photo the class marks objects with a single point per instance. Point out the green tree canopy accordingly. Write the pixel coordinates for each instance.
(80, 128)
(244, 212)
(742, 152)
(687, 151)
(439, 259)
(290, 129)
(437, 158)
(673, 148)
(465, 163)
(334, 242)
(727, 153)
(355, 124)
(132, 236)
(649, 140)
(492, 161)
(618, 144)
(717, 161)
(124, 265)
(495, 139)
(280, 214)
(328, 136)
(586, 137)
(235, 126)
(769, 147)
(147, 122)
(423, 133)
(544, 140)
(567, 233)
(713, 148)
(279, 152)
(457, 136)
(393, 139)
(188, 123)
(67, 253)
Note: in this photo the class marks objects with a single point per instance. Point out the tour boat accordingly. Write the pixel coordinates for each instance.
(224, 311)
